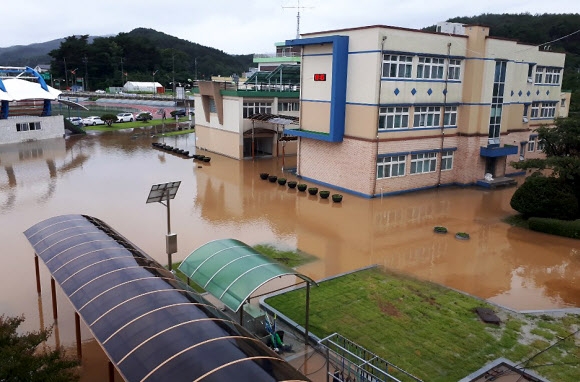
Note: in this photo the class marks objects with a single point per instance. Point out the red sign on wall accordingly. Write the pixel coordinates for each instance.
(320, 77)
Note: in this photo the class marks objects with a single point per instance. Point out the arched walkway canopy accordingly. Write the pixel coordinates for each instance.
(231, 270)
(149, 324)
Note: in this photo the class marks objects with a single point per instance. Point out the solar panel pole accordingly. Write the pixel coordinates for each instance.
(159, 193)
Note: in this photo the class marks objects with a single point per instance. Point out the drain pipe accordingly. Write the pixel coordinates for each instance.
(379, 114)
(446, 74)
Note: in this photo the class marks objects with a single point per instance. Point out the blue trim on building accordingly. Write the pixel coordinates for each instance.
(533, 136)
(386, 155)
(4, 109)
(316, 54)
(362, 104)
(314, 100)
(389, 79)
(542, 119)
(414, 129)
(420, 104)
(547, 84)
(421, 54)
(519, 173)
(338, 85)
(393, 193)
(495, 152)
(365, 51)
(2, 87)
(38, 77)
(342, 189)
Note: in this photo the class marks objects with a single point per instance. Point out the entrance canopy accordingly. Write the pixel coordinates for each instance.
(150, 325)
(231, 270)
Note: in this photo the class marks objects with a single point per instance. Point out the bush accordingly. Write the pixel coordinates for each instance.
(545, 197)
(109, 118)
(564, 228)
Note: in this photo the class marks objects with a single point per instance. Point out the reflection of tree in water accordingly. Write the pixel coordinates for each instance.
(75, 163)
(557, 272)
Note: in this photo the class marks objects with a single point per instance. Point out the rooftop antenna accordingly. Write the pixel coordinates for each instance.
(298, 8)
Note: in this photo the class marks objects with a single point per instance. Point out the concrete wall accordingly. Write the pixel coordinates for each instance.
(50, 127)
(222, 142)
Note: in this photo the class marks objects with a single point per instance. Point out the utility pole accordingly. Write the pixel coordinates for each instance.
(173, 75)
(65, 74)
(195, 67)
(122, 71)
(85, 60)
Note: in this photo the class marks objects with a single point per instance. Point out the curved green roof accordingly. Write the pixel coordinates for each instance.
(231, 270)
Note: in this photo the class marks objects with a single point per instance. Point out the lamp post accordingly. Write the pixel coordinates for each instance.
(154, 87)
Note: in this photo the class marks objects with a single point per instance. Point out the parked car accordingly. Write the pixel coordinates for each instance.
(144, 116)
(100, 91)
(125, 117)
(93, 121)
(77, 121)
(179, 113)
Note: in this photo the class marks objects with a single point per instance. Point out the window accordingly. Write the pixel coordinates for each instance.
(288, 106)
(539, 74)
(535, 110)
(430, 67)
(526, 107)
(446, 160)
(395, 66)
(427, 116)
(548, 110)
(552, 76)
(530, 71)
(450, 118)
(532, 143)
(563, 102)
(541, 145)
(389, 167)
(393, 118)
(212, 107)
(454, 69)
(251, 108)
(422, 163)
(26, 126)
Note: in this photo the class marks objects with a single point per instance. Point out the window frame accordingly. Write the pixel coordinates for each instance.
(423, 113)
(531, 144)
(447, 160)
(449, 116)
(426, 161)
(392, 112)
(387, 162)
(454, 69)
(257, 107)
(398, 62)
(431, 68)
(535, 110)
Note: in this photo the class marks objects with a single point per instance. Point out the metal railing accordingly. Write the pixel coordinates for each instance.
(353, 362)
(277, 54)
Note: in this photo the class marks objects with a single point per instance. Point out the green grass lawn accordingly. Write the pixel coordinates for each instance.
(430, 331)
(130, 125)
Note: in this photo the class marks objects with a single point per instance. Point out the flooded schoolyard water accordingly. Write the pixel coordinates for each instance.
(109, 175)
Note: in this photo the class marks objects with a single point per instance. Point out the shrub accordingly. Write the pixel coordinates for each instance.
(313, 190)
(324, 194)
(109, 118)
(292, 184)
(337, 198)
(545, 197)
(564, 228)
(302, 187)
(281, 181)
(462, 235)
(440, 229)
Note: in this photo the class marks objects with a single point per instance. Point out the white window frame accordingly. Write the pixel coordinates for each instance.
(541, 145)
(450, 117)
(431, 68)
(539, 74)
(423, 163)
(386, 165)
(251, 108)
(552, 76)
(392, 118)
(548, 110)
(447, 160)
(288, 106)
(531, 144)
(28, 126)
(454, 70)
(427, 116)
(401, 64)
(535, 110)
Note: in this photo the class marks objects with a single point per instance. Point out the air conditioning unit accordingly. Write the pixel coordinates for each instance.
(530, 80)
(525, 119)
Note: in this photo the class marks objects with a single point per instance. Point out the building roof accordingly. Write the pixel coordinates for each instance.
(231, 270)
(16, 89)
(283, 74)
(150, 324)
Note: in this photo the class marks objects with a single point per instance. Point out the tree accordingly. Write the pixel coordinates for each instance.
(545, 197)
(21, 360)
(109, 118)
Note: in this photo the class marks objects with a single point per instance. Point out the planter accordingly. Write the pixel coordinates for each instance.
(337, 198)
(264, 175)
(439, 229)
(272, 178)
(206, 159)
(313, 190)
(302, 187)
(281, 181)
(292, 184)
(462, 236)
(324, 194)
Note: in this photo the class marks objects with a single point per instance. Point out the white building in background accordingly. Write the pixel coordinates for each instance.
(26, 107)
(144, 87)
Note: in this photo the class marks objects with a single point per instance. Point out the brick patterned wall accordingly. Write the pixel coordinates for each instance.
(515, 139)
(349, 164)
(470, 165)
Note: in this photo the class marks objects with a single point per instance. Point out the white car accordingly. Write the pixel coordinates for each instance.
(125, 117)
(77, 121)
(100, 91)
(93, 121)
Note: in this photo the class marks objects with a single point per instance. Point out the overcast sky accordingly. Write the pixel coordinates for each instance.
(239, 26)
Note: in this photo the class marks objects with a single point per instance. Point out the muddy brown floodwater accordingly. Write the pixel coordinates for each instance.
(109, 176)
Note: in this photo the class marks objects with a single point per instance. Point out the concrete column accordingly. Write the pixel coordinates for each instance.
(37, 271)
(53, 293)
(78, 337)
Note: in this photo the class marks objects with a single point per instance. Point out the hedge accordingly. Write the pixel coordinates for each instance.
(566, 228)
(545, 197)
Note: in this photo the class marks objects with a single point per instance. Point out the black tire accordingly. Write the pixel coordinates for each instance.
(94, 123)
(131, 120)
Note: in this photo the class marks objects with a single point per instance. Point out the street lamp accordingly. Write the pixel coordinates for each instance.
(157, 194)
(154, 87)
